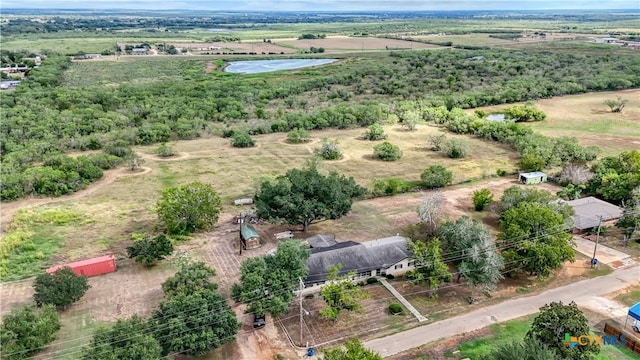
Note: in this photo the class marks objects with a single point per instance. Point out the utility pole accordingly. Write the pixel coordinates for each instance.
(300, 296)
(596, 245)
(240, 220)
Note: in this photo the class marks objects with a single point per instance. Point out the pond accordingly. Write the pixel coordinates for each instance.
(496, 117)
(260, 66)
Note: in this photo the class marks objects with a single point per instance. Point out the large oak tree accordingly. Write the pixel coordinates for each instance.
(304, 196)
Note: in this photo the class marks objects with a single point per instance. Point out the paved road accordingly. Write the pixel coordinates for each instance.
(580, 292)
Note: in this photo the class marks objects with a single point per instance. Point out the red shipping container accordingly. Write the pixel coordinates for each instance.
(90, 267)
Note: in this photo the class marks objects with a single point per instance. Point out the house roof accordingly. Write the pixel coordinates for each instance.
(321, 240)
(634, 311)
(534, 174)
(248, 232)
(358, 257)
(589, 209)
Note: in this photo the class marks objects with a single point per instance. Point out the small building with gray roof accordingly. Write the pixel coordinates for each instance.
(589, 210)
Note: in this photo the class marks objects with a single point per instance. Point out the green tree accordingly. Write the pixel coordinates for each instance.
(532, 162)
(61, 288)
(521, 350)
(149, 250)
(193, 323)
(126, 339)
(241, 139)
(456, 148)
(473, 251)
(329, 149)
(387, 151)
(340, 293)
(554, 323)
(188, 208)
(524, 113)
(27, 330)
(616, 105)
(629, 222)
(436, 176)
(353, 351)
(165, 150)
(374, 132)
(304, 196)
(430, 267)
(482, 198)
(192, 277)
(535, 239)
(267, 283)
(298, 136)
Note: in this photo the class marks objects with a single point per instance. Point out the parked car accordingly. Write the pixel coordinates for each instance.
(259, 321)
(636, 326)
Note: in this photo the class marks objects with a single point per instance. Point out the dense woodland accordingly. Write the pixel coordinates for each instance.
(46, 117)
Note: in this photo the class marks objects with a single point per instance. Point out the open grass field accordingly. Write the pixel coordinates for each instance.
(345, 43)
(73, 45)
(129, 69)
(587, 118)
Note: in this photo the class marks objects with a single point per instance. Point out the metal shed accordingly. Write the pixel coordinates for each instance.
(535, 177)
(250, 238)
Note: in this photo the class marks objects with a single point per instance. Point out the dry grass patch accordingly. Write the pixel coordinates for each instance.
(346, 43)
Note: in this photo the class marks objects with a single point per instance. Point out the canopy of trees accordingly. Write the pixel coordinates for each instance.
(27, 330)
(340, 293)
(353, 350)
(149, 250)
(267, 282)
(126, 339)
(615, 177)
(304, 196)
(61, 288)
(430, 267)
(188, 208)
(551, 325)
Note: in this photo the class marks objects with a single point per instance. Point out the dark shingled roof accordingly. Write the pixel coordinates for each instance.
(321, 240)
(358, 257)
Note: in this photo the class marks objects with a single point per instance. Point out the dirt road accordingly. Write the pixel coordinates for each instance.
(581, 292)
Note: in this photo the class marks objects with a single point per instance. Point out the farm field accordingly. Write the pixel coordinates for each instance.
(336, 44)
(587, 118)
(73, 45)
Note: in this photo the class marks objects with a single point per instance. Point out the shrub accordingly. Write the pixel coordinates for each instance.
(227, 133)
(436, 141)
(391, 186)
(165, 150)
(60, 289)
(531, 162)
(395, 309)
(298, 136)
(390, 276)
(309, 296)
(149, 250)
(501, 172)
(119, 148)
(456, 148)
(372, 280)
(387, 151)
(104, 161)
(436, 176)
(242, 139)
(482, 198)
(374, 132)
(329, 150)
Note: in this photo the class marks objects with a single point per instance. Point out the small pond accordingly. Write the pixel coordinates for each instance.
(260, 66)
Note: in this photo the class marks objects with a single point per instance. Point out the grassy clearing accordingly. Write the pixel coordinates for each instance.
(630, 297)
(74, 45)
(77, 328)
(587, 118)
(129, 70)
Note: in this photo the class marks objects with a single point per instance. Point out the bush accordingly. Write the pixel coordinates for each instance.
(298, 136)
(372, 280)
(242, 139)
(104, 161)
(119, 148)
(309, 296)
(27, 330)
(387, 151)
(436, 141)
(395, 309)
(188, 208)
(531, 162)
(390, 276)
(501, 172)
(391, 186)
(165, 150)
(60, 289)
(148, 250)
(374, 132)
(482, 198)
(329, 150)
(456, 148)
(436, 176)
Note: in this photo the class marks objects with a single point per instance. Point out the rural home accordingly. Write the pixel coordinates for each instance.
(249, 237)
(387, 256)
(139, 50)
(589, 210)
(321, 241)
(535, 177)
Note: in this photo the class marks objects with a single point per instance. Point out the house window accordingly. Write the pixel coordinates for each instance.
(411, 264)
(399, 266)
(364, 274)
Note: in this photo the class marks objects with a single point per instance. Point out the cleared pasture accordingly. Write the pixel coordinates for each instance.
(587, 118)
(257, 47)
(346, 43)
(74, 45)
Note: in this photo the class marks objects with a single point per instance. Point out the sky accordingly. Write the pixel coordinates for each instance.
(325, 5)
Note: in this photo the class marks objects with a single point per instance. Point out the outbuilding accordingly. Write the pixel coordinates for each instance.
(249, 237)
(90, 267)
(591, 211)
(529, 178)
